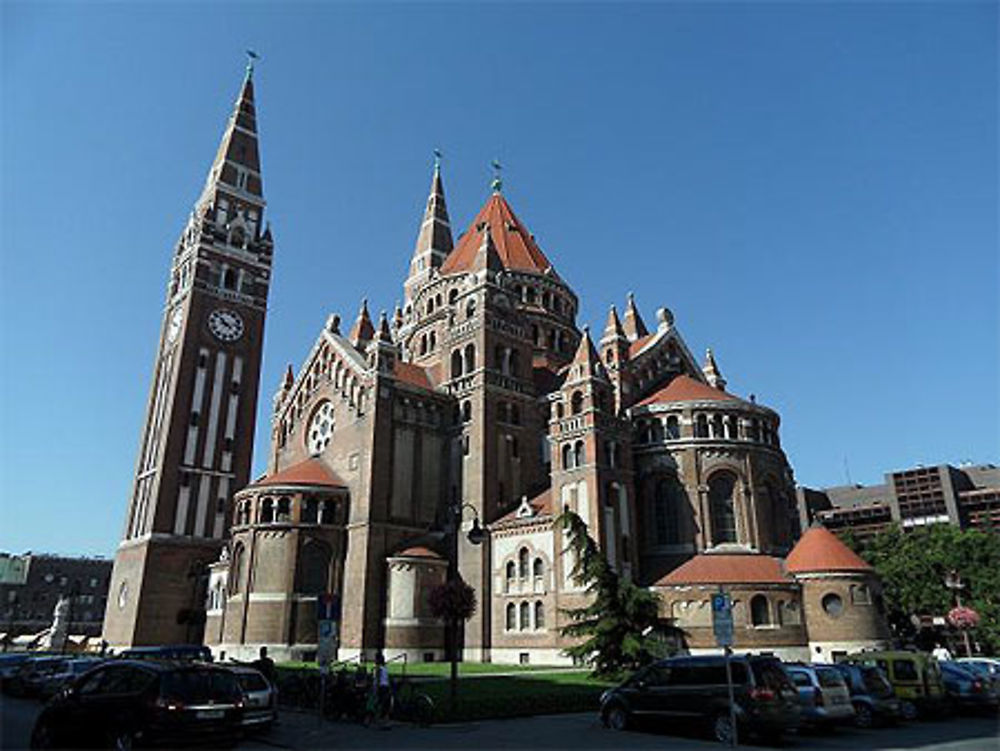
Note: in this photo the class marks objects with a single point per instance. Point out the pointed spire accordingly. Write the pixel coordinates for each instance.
(613, 328)
(397, 317)
(712, 373)
(234, 180)
(633, 325)
(434, 241)
(289, 379)
(362, 331)
(586, 361)
(384, 335)
(487, 257)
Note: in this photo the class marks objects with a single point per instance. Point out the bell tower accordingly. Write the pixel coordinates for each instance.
(196, 445)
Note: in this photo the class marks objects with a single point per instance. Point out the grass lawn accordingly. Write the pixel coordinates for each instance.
(441, 669)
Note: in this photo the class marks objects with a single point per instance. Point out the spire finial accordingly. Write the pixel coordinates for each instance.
(497, 183)
(437, 160)
(251, 56)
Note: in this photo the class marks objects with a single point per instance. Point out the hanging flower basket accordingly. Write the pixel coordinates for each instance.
(963, 618)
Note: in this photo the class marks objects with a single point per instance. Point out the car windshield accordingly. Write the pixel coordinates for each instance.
(876, 683)
(905, 670)
(830, 678)
(252, 682)
(768, 674)
(201, 686)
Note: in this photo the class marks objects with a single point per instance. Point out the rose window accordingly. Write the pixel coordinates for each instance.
(320, 429)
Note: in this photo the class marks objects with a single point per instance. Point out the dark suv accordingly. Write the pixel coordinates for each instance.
(871, 694)
(125, 703)
(694, 689)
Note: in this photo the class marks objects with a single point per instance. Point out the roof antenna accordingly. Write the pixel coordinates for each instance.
(847, 471)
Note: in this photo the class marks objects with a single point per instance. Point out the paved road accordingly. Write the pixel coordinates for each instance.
(574, 731)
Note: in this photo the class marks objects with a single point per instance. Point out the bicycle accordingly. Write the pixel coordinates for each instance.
(411, 705)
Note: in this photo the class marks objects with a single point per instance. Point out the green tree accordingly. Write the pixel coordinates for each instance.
(620, 626)
(913, 566)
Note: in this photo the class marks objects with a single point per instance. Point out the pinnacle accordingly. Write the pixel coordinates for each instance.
(363, 330)
(613, 328)
(633, 325)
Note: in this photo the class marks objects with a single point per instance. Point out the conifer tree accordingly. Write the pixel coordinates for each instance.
(620, 626)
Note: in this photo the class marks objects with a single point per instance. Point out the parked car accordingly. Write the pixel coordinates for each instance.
(871, 694)
(9, 665)
(169, 652)
(123, 703)
(33, 673)
(260, 698)
(695, 689)
(65, 672)
(823, 695)
(984, 667)
(965, 689)
(914, 676)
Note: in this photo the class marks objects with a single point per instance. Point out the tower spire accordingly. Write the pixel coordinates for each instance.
(434, 241)
(712, 373)
(633, 324)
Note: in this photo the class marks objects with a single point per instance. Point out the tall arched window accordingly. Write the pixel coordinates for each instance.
(760, 614)
(267, 511)
(576, 403)
(732, 428)
(579, 454)
(236, 569)
(537, 568)
(511, 574)
(701, 427)
(515, 363)
(721, 488)
(567, 456)
(466, 411)
(470, 357)
(665, 511)
(511, 617)
(313, 572)
(456, 364)
(673, 428)
(539, 615)
(717, 426)
(525, 616)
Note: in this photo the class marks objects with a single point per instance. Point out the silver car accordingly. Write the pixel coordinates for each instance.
(260, 698)
(823, 694)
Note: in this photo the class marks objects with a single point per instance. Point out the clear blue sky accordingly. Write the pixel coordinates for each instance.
(811, 188)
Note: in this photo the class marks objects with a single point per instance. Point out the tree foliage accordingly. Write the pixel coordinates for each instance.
(620, 627)
(913, 566)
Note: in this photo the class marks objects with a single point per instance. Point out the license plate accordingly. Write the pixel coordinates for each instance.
(210, 714)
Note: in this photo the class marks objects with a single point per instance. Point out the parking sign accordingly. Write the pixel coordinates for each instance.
(722, 619)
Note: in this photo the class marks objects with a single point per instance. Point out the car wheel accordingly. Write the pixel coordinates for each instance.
(722, 728)
(863, 717)
(42, 736)
(908, 710)
(617, 718)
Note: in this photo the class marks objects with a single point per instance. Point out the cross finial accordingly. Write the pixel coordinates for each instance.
(251, 56)
(497, 184)
(437, 159)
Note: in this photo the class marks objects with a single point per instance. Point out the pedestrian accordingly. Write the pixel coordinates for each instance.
(265, 665)
(383, 691)
(941, 653)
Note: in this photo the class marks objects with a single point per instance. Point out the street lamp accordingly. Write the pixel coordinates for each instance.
(953, 581)
(475, 536)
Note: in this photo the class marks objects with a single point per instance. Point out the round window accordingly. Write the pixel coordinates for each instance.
(122, 595)
(833, 604)
(320, 429)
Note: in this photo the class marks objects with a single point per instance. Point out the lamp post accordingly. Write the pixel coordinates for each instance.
(953, 581)
(475, 536)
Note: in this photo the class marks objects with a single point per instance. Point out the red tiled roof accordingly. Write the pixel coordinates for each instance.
(412, 374)
(638, 344)
(310, 472)
(514, 243)
(417, 551)
(821, 550)
(686, 389)
(541, 503)
(725, 568)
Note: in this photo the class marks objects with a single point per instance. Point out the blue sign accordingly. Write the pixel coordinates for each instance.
(722, 619)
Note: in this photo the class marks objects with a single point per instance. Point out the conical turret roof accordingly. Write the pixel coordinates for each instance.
(515, 245)
(633, 324)
(362, 330)
(820, 551)
(613, 328)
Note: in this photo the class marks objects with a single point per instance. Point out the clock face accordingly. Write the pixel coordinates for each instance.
(320, 429)
(225, 325)
(174, 327)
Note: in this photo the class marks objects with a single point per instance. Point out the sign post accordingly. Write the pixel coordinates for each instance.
(722, 625)
(327, 615)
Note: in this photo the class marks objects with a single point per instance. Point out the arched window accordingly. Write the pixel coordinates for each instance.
(717, 426)
(229, 278)
(576, 403)
(656, 431)
(665, 509)
(755, 430)
(701, 427)
(673, 428)
(423, 344)
(511, 574)
(284, 509)
(539, 615)
(313, 572)
(309, 511)
(515, 415)
(456, 364)
(760, 614)
(567, 456)
(534, 334)
(721, 487)
(732, 428)
(267, 511)
(537, 568)
(470, 357)
(522, 563)
(515, 363)
(236, 569)
(579, 454)
(525, 616)
(560, 410)
(452, 296)
(466, 411)
(511, 617)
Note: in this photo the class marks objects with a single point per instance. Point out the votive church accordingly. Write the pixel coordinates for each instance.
(479, 402)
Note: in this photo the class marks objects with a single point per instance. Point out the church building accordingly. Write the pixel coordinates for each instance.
(478, 404)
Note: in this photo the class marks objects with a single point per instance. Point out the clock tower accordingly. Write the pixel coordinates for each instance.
(197, 441)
